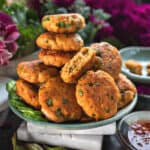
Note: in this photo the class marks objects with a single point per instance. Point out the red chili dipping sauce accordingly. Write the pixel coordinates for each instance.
(139, 135)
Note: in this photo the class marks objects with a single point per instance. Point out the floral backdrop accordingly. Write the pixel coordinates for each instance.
(122, 23)
(8, 36)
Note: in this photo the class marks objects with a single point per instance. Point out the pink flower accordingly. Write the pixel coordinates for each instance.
(4, 56)
(8, 36)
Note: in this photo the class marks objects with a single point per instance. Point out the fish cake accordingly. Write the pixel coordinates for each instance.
(134, 67)
(28, 93)
(80, 63)
(97, 94)
(63, 23)
(60, 42)
(107, 58)
(127, 90)
(35, 71)
(55, 58)
(58, 101)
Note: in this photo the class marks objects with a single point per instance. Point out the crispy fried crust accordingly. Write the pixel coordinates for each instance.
(55, 58)
(127, 90)
(97, 94)
(107, 58)
(63, 23)
(35, 71)
(28, 93)
(60, 42)
(134, 66)
(58, 101)
(80, 63)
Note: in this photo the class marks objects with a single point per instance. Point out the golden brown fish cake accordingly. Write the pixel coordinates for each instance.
(55, 58)
(60, 42)
(97, 94)
(35, 71)
(63, 23)
(28, 93)
(58, 101)
(127, 90)
(80, 63)
(134, 67)
(108, 58)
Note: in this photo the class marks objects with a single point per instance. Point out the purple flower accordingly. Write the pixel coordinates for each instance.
(131, 26)
(130, 21)
(105, 32)
(8, 35)
(104, 28)
(64, 3)
(93, 3)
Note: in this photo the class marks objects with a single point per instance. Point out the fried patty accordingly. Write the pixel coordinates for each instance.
(107, 58)
(97, 94)
(127, 90)
(35, 71)
(63, 23)
(58, 101)
(80, 63)
(60, 42)
(28, 93)
(134, 66)
(55, 58)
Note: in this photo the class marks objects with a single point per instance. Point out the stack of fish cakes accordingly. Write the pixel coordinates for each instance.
(61, 42)
(39, 84)
(71, 82)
